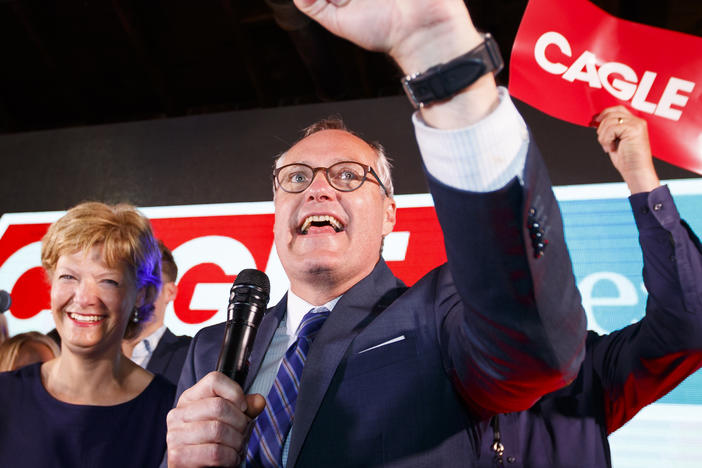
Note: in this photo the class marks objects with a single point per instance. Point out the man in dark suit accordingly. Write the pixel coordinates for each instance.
(399, 376)
(156, 348)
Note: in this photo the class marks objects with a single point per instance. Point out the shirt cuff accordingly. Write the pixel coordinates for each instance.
(653, 209)
(482, 157)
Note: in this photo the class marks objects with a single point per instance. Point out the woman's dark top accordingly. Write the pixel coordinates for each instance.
(37, 430)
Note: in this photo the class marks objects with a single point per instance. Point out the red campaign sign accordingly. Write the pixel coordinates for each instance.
(571, 60)
(211, 244)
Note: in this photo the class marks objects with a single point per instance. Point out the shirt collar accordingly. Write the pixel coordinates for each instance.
(297, 308)
(155, 337)
(141, 350)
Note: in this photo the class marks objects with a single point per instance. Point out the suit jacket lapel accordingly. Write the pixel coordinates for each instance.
(264, 336)
(354, 311)
(160, 357)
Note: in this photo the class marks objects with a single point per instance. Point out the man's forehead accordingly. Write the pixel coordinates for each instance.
(329, 145)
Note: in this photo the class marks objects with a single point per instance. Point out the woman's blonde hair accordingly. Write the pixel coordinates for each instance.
(126, 239)
(4, 333)
(10, 348)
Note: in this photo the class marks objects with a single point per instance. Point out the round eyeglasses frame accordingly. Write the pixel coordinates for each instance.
(366, 170)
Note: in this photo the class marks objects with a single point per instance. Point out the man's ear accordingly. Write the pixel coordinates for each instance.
(389, 217)
(170, 291)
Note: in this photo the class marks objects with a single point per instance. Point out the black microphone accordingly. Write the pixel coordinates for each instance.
(5, 301)
(248, 300)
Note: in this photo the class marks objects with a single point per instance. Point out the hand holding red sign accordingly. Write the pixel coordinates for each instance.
(571, 60)
(625, 138)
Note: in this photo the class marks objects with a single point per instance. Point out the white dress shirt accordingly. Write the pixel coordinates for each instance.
(284, 336)
(481, 158)
(144, 349)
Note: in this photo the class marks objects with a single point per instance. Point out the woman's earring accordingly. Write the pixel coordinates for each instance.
(135, 315)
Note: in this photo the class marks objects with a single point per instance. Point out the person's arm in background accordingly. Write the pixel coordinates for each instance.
(519, 332)
(642, 362)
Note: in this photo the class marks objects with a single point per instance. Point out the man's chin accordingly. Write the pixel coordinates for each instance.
(321, 268)
(316, 262)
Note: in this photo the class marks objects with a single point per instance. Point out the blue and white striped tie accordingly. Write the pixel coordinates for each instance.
(272, 426)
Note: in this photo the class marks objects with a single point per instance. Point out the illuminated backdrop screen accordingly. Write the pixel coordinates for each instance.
(213, 242)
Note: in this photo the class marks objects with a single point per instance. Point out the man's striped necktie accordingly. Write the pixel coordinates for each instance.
(272, 426)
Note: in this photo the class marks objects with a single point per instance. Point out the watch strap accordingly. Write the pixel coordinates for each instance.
(446, 79)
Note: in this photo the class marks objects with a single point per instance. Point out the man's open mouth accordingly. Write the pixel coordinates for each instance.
(321, 221)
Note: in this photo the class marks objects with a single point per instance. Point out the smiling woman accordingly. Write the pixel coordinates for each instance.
(94, 406)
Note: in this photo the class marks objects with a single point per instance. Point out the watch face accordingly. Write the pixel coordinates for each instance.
(494, 62)
(409, 91)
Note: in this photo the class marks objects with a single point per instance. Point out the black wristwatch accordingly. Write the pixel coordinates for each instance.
(446, 79)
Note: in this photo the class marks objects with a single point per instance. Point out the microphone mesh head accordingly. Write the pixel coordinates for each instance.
(6, 300)
(255, 278)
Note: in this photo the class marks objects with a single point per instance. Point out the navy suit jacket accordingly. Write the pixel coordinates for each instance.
(491, 331)
(624, 370)
(169, 355)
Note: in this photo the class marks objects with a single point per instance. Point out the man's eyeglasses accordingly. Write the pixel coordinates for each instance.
(344, 176)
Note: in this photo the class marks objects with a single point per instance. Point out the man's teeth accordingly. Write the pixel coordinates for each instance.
(320, 219)
(85, 318)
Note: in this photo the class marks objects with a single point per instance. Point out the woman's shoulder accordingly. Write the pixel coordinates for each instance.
(160, 390)
(138, 382)
(18, 378)
(20, 387)
(162, 384)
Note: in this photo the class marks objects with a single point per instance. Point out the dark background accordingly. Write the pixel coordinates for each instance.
(180, 102)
